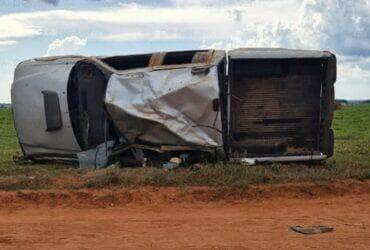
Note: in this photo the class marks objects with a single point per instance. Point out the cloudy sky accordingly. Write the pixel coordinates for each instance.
(36, 28)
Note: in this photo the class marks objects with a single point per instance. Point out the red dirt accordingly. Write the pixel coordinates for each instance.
(191, 218)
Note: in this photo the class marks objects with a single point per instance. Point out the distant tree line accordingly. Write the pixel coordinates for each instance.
(351, 102)
(5, 105)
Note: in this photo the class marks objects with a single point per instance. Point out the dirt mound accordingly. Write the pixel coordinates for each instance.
(150, 195)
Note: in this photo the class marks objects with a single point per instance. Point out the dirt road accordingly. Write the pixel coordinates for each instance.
(226, 223)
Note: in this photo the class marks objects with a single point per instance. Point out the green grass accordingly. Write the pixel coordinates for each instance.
(352, 137)
(351, 161)
(8, 139)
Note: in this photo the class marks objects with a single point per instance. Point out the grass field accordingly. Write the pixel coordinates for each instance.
(351, 161)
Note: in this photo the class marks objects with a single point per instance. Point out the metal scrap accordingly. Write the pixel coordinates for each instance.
(318, 229)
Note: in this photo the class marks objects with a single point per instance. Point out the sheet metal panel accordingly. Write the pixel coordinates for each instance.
(31, 78)
(166, 107)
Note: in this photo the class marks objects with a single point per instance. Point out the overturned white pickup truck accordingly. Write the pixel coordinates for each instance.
(259, 104)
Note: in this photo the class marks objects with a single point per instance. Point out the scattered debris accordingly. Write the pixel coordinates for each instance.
(176, 160)
(182, 160)
(248, 161)
(318, 229)
(20, 159)
(173, 163)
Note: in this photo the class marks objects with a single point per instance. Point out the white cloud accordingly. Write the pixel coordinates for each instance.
(196, 2)
(6, 43)
(67, 46)
(341, 26)
(353, 81)
(196, 21)
(12, 27)
(142, 36)
(6, 78)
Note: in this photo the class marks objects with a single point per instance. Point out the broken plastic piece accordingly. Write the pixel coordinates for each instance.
(174, 162)
(248, 161)
(96, 157)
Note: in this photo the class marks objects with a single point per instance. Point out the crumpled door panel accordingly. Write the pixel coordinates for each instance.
(171, 107)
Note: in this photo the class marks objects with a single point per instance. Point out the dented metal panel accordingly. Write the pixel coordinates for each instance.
(166, 107)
